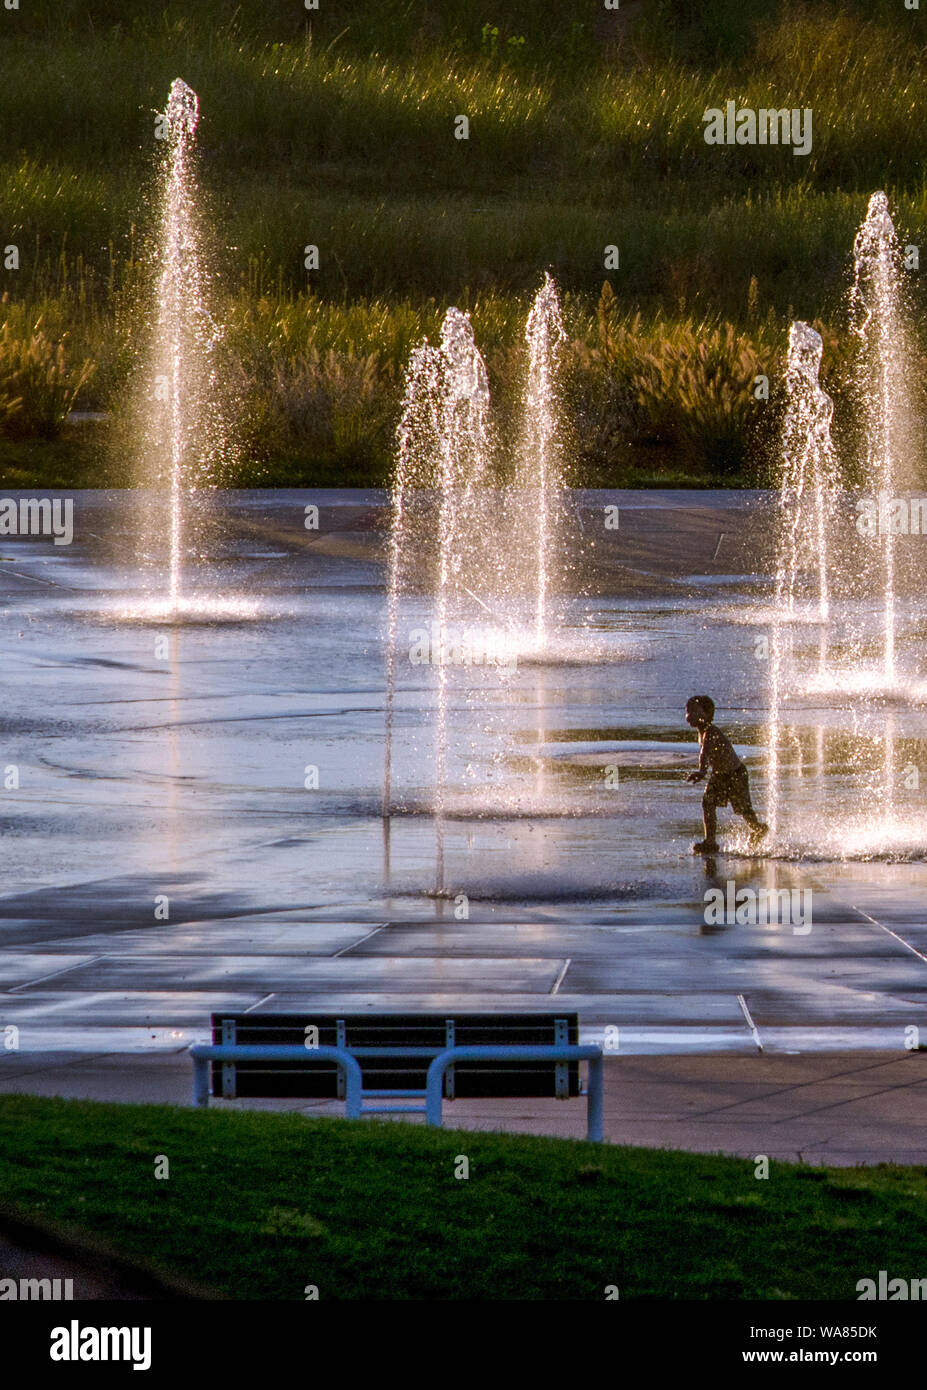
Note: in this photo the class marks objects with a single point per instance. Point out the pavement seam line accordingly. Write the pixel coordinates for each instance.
(353, 945)
(750, 1024)
(258, 1002)
(876, 923)
(855, 1100)
(560, 978)
(78, 965)
(797, 1086)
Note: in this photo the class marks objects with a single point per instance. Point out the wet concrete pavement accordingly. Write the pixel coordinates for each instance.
(164, 857)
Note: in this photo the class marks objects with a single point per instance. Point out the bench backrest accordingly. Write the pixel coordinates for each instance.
(390, 1070)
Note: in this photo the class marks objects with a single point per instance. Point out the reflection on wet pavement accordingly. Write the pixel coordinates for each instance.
(197, 823)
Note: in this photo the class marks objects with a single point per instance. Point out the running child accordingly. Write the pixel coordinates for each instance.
(728, 779)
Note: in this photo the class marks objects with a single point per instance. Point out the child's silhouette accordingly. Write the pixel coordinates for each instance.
(728, 780)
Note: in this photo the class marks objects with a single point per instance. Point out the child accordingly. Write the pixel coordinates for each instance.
(728, 781)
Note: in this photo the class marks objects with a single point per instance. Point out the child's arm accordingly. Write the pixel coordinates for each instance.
(702, 762)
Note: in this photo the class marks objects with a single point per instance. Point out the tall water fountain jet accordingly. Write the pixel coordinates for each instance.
(442, 467)
(418, 431)
(180, 274)
(877, 311)
(185, 427)
(809, 479)
(807, 495)
(539, 464)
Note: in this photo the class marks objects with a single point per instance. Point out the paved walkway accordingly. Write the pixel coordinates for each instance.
(834, 1108)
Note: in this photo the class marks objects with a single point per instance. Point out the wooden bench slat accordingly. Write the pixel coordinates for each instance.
(392, 1070)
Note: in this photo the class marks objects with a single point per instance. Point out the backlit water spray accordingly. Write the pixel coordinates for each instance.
(876, 303)
(442, 468)
(807, 493)
(180, 278)
(538, 473)
(185, 428)
(818, 556)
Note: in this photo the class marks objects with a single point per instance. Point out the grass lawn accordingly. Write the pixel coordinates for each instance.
(261, 1205)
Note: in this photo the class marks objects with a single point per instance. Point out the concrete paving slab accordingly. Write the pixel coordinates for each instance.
(285, 938)
(47, 1011)
(196, 972)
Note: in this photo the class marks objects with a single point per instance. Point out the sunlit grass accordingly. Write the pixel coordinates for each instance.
(336, 129)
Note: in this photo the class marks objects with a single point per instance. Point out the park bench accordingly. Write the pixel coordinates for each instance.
(418, 1059)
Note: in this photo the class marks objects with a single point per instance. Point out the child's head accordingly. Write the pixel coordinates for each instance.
(700, 710)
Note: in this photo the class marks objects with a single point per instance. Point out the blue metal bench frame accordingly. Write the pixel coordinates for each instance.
(203, 1054)
(556, 1052)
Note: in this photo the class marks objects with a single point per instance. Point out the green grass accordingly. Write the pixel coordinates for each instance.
(341, 132)
(335, 128)
(259, 1206)
(75, 460)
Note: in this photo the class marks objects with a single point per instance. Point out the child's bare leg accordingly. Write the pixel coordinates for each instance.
(710, 821)
(744, 807)
(756, 825)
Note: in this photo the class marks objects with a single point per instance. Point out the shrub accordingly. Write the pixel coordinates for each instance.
(37, 384)
(687, 385)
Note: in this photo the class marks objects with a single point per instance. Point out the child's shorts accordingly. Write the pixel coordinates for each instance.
(730, 788)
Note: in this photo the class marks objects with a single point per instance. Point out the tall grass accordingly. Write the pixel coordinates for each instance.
(39, 384)
(335, 128)
(290, 104)
(797, 243)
